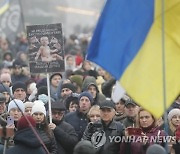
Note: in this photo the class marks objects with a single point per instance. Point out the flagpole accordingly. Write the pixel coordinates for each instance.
(49, 99)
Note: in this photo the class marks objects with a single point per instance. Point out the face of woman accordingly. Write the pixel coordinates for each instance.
(175, 120)
(38, 117)
(145, 119)
(94, 116)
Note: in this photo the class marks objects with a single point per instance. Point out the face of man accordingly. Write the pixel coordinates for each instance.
(84, 104)
(92, 90)
(20, 94)
(120, 106)
(131, 110)
(57, 115)
(65, 92)
(17, 70)
(2, 107)
(107, 114)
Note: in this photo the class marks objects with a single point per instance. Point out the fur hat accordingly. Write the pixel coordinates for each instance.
(173, 112)
(19, 84)
(88, 95)
(12, 104)
(38, 107)
(23, 123)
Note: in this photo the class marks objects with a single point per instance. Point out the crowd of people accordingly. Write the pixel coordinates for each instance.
(83, 118)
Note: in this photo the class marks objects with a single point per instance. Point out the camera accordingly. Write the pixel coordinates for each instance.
(95, 126)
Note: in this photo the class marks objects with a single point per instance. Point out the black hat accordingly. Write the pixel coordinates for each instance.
(19, 84)
(58, 106)
(73, 97)
(69, 86)
(130, 101)
(107, 104)
(17, 63)
(2, 98)
(42, 90)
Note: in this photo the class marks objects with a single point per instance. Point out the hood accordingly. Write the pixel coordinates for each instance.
(87, 81)
(26, 137)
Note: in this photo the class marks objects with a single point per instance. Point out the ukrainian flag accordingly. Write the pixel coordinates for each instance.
(128, 43)
(4, 5)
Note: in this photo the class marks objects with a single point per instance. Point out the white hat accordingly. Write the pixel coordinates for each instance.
(12, 104)
(38, 107)
(173, 112)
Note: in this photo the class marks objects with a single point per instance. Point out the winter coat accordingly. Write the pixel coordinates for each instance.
(111, 146)
(50, 142)
(26, 143)
(66, 137)
(111, 131)
(78, 120)
(139, 147)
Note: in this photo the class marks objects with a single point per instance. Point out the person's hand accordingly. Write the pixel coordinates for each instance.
(52, 126)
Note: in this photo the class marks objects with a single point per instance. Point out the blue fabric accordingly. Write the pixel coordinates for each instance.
(120, 32)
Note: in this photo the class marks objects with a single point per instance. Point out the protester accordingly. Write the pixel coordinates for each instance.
(147, 130)
(84, 147)
(108, 129)
(45, 133)
(19, 91)
(79, 119)
(64, 133)
(131, 113)
(26, 142)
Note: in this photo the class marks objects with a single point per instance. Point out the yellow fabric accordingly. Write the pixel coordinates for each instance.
(143, 79)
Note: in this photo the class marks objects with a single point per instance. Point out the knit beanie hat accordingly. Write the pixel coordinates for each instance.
(38, 107)
(69, 86)
(19, 84)
(23, 123)
(87, 94)
(42, 90)
(12, 104)
(155, 149)
(4, 88)
(84, 147)
(78, 79)
(173, 112)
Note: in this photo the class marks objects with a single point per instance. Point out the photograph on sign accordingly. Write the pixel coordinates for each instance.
(46, 49)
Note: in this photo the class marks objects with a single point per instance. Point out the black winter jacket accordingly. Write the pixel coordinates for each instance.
(26, 143)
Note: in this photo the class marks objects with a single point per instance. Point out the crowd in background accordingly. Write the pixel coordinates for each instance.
(81, 107)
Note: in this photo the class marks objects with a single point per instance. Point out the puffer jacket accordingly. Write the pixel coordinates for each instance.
(50, 142)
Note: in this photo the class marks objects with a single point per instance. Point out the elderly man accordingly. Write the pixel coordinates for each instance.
(103, 138)
(64, 133)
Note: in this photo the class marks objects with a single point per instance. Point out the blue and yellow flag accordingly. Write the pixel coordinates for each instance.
(127, 42)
